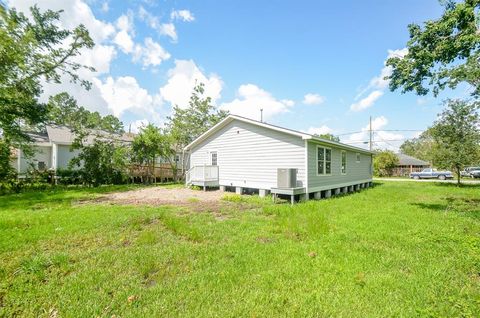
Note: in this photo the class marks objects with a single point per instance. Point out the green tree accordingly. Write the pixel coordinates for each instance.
(441, 53)
(147, 147)
(102, 162)
(421, 147)
(330, 137)
(457, 134)
(6, 170)
(32, 51)
(384, 162)
(64, 110)
(186, 124)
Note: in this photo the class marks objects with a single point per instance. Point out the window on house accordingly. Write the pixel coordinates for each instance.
(324, 160)
(344, 162)
(41, 165)
(177, 158)
(358, 157)
(214, 158)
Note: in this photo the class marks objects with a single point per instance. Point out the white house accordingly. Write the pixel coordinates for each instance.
(246, 154)
(52, 149)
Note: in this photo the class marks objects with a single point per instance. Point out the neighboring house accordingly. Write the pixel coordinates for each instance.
(246, 154)
(408, 164)
(52, 149)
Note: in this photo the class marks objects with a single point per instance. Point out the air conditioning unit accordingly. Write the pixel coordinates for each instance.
(286, 178)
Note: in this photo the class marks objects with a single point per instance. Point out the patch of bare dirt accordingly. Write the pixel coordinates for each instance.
(163, 196)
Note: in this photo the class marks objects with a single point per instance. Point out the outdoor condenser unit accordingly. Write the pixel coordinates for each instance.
(286, 178)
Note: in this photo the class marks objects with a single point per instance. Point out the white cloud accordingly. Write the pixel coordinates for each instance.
(183, 78)
(168, 29)
(288, 102)
(105, 7)
(324, 129)
(75, 12)
(183, 15)
(367, 101)
(124, 93)
(251, 99)
(313, 99)
(381, 139)
(378, 83)
(422, 101)
(151, 54)
(124, 41)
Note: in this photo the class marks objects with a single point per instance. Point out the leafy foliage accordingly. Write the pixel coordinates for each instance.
(148, 145)
(6, 170)
(32, 51)
(442, 53)
(384, 162)
(186, 124)
(330, 137)
(457, 134)
(64, 110)
(102, 162)
(421, 147)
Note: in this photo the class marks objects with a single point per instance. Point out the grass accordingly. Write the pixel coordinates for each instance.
(400, 249)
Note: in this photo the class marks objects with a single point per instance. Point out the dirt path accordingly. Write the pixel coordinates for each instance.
(160, 195)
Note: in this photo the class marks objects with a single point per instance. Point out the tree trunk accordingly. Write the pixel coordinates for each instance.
(458, 175)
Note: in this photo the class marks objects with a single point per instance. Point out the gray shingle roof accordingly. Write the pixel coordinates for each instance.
(64, 135)
(405, 160)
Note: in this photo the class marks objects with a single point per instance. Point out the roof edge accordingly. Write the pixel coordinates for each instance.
(299, 134)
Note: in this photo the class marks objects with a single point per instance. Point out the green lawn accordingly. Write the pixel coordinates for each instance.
(400, 249)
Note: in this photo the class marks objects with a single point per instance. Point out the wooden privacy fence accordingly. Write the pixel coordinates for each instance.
(161, 172)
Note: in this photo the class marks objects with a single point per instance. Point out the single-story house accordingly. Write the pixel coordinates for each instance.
(245, 154)
(408, 164)
(52, 149)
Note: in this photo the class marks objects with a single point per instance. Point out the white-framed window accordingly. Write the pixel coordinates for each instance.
(358, 157)
(344, 162)
(213, 158)
(177, 158)
(324, 160)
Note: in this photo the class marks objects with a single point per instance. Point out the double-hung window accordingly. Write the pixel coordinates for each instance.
(324, 161)
(358, 157)
(344, 162)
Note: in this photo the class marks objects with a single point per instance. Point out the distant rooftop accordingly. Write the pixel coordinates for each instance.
(406, 160)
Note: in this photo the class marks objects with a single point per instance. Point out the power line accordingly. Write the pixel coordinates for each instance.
(364, 131)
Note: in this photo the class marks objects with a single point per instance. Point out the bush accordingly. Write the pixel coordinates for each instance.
(384, 162)
(69, 176)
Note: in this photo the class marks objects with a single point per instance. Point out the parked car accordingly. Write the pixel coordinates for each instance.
(467, 172)
(430, 173)
(475, 173)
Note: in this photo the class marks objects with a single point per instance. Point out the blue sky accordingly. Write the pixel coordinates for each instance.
(315, 66)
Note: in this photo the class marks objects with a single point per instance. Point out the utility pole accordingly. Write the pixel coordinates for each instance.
(261, 115)
(371, 133)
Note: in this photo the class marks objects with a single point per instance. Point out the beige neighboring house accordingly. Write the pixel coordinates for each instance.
(408, 164)
(52, 149)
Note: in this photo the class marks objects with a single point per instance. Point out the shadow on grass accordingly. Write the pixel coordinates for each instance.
(456, 185)
(469, 207)
(57, 196)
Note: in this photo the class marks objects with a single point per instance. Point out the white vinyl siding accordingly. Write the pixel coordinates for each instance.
(41, 154)
(64, 155)
(356, 172)
(249, 155)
